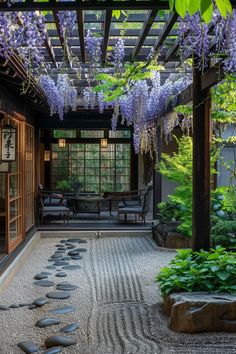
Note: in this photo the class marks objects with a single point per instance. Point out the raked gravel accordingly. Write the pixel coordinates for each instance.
(117, 303)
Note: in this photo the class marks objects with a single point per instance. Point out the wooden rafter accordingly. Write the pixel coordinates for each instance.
(65, 48)
(144, 32)
(107, 26)
(51, 5)
(80, 21)
(165, 31)
(50, 50)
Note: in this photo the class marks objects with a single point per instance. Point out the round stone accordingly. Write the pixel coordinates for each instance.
(63, 241)
(73, 253)
(60, 263)
(45, 273)
(76, 257)
(40, 276)
(45, 322)
(41, 301)
(81, 249)
(58, 295)
(32, 307)
(44, 283)
(61, 274)
(66, 287)
(70, 328)
(77, 240)
(70, 247)
(4, 308)
(23, 304)
(28, 347)
(66, 258)
(51, 267)
(53, 350)
(56, 256)
(51, 260)
(59, 340)
(14, 306)
(71, 267)
(62, 310)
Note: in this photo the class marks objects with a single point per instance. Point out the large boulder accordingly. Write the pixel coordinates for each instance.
(201, 312)
(167, 236)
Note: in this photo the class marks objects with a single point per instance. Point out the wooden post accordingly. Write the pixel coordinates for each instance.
(157, 178)
(201, 165)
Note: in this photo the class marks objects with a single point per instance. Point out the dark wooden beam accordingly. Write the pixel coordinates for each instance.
(107, 26)
(63, 43)
(144, 32)
(157, 176)
(51, 5)
(201, 164)
(50, 50)
(80, 21)
(165, 31)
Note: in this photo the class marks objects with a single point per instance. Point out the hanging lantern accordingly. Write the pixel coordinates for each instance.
(8, 143)
(104, 143)
(61, 143)
(47, 155)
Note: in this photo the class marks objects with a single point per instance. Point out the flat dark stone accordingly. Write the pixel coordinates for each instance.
(51, 260)
(56, 256)
(66, 287)
(51, 267)
(60, 263)
(70, 247)
(40, 276)
(4, 308)
(63, 241)
(23, 304)
(77, 240)
(28, 347)
(58, 251)
(71, 267)
(66, 258)
(53, 350)
(73, 253)
(81, 249)
(45, 322)
(76, 257)
(59, 340)
(45, 283)
(58, 295)
(61, 274)
(32, 307)
(70, 328)
(41, 301)
(62, 310)
(14, 306)
(45, 273)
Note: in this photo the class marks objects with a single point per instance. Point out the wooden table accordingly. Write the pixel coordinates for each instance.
(88, 204)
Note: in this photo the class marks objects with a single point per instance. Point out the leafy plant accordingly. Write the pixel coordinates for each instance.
(213, 271)
(224, 233)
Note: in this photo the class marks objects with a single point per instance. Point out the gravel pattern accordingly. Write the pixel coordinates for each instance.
(117, 304)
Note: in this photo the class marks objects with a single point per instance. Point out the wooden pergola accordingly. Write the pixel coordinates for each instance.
(154, 27)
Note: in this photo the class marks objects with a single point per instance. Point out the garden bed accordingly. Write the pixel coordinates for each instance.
(167, 236)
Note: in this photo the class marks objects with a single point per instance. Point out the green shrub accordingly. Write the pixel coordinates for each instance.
(223, 233)
(213, 271)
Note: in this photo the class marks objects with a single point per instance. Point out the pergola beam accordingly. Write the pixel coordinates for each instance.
(51, 5)
(107, 26)
(62, 40)
(165, 31)
(144, 32)
(80, 21)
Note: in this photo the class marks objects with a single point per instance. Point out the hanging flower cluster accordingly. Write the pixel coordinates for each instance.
(61, 96)
(67, 23)
(93, 45)
(196, 39)
(23, 32)
(118, 54)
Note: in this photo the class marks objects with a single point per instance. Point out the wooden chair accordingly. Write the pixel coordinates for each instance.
(140, 210)
(54, 211)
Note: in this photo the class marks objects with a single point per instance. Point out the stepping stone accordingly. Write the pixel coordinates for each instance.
(56, 256)
(58, 295)
(73, 253)
(60, 251)
(60, 264)
(71, 267)
(70, 328)
(59, 340)
(24, 304)
(62, 310)
(70, 247)
(45, 322)
(51, 267)
(66, 259)
(81, 249)
(66, 287)
(32, 307)
(53, 350)
(4, 308)
(61, 274)
(63, 241)
(45, 273)
(40, 276)
(28, 347)
(14, 306)
(51, 260)
(77, 240)
(44, 283)
(76, 257)
(41, 301)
